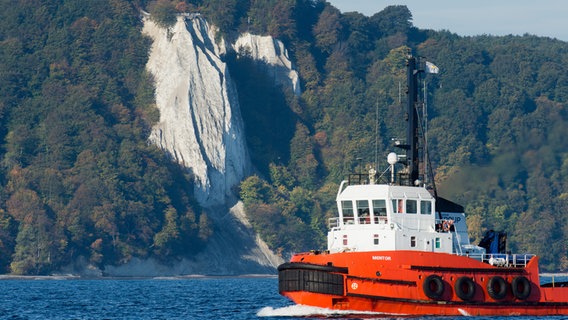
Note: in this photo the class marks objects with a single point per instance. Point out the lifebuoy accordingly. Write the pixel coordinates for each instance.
(447, 225)
(465, 288)
(497, 288)
(433, 287)
(521, 287)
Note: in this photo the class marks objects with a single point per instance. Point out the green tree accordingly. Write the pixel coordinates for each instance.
(327, 31)
(205, 228)
(8, 230)
(34, 243)
(392, 19)
(170, 233)
(163, 12)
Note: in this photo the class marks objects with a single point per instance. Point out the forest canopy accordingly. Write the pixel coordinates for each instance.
(78, 178)
(496, 113)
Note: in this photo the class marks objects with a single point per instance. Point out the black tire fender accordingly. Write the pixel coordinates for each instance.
(433, 287)
(497, 287)
(521, 287)
(465, 288)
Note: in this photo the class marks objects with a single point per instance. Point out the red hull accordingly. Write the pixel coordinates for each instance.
(418, 283)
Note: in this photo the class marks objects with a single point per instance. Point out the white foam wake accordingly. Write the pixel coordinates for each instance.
(464, 313)
(308, 311)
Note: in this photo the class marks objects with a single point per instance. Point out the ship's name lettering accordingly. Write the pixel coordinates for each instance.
(456, 219)
(382, 258)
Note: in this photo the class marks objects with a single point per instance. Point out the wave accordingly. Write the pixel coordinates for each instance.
(308, 311)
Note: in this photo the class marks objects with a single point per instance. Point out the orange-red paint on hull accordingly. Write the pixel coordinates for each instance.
(399, 248)
(425, 307)
(393, 282)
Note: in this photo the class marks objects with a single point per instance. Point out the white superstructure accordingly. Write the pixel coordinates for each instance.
(381, 217)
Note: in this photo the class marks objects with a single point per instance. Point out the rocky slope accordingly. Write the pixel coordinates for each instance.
(200, 124)
(201, 128)
(272, 52)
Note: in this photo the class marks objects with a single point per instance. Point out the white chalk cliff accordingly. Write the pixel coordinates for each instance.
(200, 124)
(273, 53)
(201, 128)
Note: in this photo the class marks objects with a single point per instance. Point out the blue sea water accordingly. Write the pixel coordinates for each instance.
(166, 298)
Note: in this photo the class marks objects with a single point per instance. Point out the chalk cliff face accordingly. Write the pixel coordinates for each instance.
(272, 52)
(201, 128)
(200, 125)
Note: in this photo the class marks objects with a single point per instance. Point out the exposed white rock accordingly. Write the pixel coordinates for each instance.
(200, 124)
(201, 128)
(233, 250)
(272, 52)
(260, 254)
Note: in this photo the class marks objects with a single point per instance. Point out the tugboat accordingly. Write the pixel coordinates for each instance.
(398, 248)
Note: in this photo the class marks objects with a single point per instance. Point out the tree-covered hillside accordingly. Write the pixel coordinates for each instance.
(79, 179)
(497, 117)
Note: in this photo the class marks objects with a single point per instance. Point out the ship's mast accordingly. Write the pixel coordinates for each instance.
(415, 133)
(412, 125)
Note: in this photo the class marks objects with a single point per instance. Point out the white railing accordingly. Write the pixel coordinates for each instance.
(333, 223)
(502, 259)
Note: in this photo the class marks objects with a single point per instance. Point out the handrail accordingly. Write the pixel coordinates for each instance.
(515, 260)
(333, 223)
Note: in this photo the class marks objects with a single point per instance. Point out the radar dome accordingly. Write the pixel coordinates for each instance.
(392, 158)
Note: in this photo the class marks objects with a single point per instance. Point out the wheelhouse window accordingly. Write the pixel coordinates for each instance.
(398, 205)
(379, 211)
(380, 208)
(426, 207)
(347, 210)
(363, 211)
(411, 206)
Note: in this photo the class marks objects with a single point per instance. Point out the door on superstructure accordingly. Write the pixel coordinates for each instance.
(428, 245)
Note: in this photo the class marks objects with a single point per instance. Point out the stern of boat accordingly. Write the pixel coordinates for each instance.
(311, 284)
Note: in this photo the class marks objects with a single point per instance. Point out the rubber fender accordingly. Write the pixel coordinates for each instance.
(433, 287)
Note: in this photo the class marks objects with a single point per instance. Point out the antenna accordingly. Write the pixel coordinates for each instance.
(425, 134)
(412, 127)
(399, 93)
